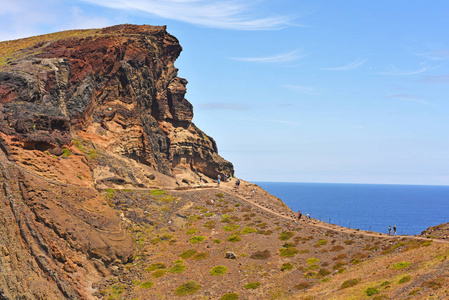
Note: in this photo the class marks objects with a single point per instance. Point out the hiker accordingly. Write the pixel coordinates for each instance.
(307, 216)
(299, 215)
(201, 180)
(389, 230)
(226, 177)
(394, 230)
(218, 180)
(237, 183)
(254, 192)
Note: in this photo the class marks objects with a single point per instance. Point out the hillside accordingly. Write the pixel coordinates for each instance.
(102, 198)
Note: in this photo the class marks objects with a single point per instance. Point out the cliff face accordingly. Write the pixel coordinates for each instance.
(117, 86)
(80, 112)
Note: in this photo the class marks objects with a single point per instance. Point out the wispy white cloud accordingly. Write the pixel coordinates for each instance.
(279, 58)
(439, 79)
(397, 72)
(302, 89)
(228, 14)
(354, 65)
(440, 54)
(409, 98)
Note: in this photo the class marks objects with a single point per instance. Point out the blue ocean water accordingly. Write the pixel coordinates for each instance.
(412, 208)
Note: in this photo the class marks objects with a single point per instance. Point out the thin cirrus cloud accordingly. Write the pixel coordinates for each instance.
(354, 65)
(225, 14)
(302, 89)
(279, 58)
(397, 72)
(409, 98)
(438, 79)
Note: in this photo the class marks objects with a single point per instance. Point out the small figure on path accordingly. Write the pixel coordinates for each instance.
(218, 180)
(394, 230)
(237, 183)
(389, 230)
(254, 192)
(201, 180)
(307, 215)
(226, 177)
(299, 215)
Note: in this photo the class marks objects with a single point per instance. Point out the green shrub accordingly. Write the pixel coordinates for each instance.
(178, 268)
(312, 260)
(196, 239)
(157, 192)
(371, 291)
(231, 227)
(313, 267)
(404, 279)
(188, 253)
(230, 296)
(286, 235)
(188, 288)
(200, 256)
(217, 241)
(209, 215)
(309, 275)
(191, 231)
(349, 283)
(385, 283)
(219, 195)
(288, 252)
(261, 254)
(322, 242)
(156, 266)
(147, 284)
(401, 265)
(349, 242)
(218, 270)
(234, 238)
(247, 230)
(286, 266)
(252, 285)
(136, 282)
(159, 273)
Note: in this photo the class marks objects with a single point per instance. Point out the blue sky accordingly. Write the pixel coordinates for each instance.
(305, 91)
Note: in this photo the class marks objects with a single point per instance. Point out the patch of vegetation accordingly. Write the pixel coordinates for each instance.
(209, 215)
(401, 265)
(286, 267)
(209, 225)
(372, 291)
(248, 230)
(218, 270)
(157, 192)
(217, 241)
(349, 283)
(234, 238)
(322, 242)
(309, 275)
(159, 273)
(136, 282)
(405, 279)
(201, 255)
(340, 256)
(156, 266)
(261, 255)
(348, 242)
(338, 265)
(219, 195)
(188, 253)
(288, 252)
(65, 152)
(252, 285)
(196, 239)
(312, 260)
(147, 284)
(230, 296)
(191, 231)
(177, 268)
(286, 235)
(313, 267)
(188, 288)
(414, 292)
(302, 285)
(385, 283)
(322, 273)
(231, 227)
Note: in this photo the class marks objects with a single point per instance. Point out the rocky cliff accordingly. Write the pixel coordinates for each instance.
(80, 112)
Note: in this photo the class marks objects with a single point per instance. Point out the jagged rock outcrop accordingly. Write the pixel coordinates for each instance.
(81, 111)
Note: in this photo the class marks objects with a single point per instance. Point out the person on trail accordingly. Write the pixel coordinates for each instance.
(254, 192)
(394, 230)
(201, 180)
(299, 215)
(226, 177)
(237, 183)
(307, 216)
(389, 230)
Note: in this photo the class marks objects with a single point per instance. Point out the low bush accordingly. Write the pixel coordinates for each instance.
(247, 230)
(234, 238)
(252, 285)
(286, 235)
(302, 285)
(218, 270)
(288, 252)
(372, 291)
(197, 239)
(191, 231)
(159, 273)
(231, 227)
(156, 266)
(230, 296)
(401, 265)
(349, 283)
(405, 279)
(178, 268)
(435, 283)
(188, 253)
(348, 242)
(200, 256)
(286, 266)
(312, 260)
(336, 248)
(322, 273)
(188, 288)
(147, 284)
(322, 242)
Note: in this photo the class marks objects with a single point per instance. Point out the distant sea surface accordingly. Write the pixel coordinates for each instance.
(412, 208)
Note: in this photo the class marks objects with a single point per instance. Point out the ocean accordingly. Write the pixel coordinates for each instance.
(412, 208)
